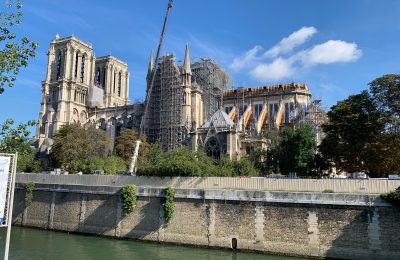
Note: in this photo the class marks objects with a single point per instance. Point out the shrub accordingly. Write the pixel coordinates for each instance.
(110, 165)
(113, 164)
(128, 198)
(328, 191)
(184, 162)
(393, 197)
(88, 165)
(29, 187)
(169, 207)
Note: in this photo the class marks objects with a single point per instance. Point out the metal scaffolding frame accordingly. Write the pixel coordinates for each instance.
(164, 121)
(213, 80)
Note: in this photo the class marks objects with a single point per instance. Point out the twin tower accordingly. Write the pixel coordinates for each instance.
(80, 88)
(77, 83)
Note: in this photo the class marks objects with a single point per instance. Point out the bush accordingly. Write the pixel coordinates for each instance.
(110, 165)
(169, 207)
(244, 167)
(328, 191)
(128, 198)
(184, 162)
(393, 197)
(113, 164)
(29, 187)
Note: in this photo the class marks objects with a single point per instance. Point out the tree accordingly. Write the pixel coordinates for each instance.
(74, 142)
(125, 144)
(352, 135)
(296, 150)
(320, 166)
(266, 160)
(114, 164)
(16, 139)
(386, 95)
(185, 162)
(110, 165)
(15, 51)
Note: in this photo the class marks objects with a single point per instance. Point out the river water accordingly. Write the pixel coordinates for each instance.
(27, 244)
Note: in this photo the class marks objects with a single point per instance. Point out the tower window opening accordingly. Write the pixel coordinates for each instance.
(104, 77)
(119, 83)
(59, 58)
(98, 76)
(83, 68)
(76, 65)
(114, 83)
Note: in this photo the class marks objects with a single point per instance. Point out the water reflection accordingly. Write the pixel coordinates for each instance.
(29, 244)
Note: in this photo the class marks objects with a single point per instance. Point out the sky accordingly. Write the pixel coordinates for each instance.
(335, 47)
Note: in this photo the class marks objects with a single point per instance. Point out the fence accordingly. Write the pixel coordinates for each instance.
(240, 183)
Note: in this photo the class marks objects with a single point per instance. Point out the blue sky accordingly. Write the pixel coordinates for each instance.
(336, 47)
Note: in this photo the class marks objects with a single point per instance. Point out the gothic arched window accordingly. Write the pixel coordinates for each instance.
(114, 83)
(83, 67)
(76, 64)
(59, 58)
(104, 77)
(213, 148)
(119, 83)
(98, 75)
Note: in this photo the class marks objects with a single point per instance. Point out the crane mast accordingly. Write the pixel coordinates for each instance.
(132, 166)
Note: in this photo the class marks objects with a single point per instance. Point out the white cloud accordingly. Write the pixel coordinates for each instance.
(332, 51)
(289, 43)
(278, 69)
(246, 59)
(274, 66)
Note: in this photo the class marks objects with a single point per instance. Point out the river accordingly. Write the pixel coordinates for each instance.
(27, 244)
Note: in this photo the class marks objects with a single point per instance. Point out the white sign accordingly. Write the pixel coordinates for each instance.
(4, 179)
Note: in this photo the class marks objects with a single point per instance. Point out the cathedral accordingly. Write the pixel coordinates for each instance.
(192, 104)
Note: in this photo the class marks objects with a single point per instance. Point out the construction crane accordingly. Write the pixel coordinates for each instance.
(132, 166)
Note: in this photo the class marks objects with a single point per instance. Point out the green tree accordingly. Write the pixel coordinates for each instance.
(114, 164)
(352, 135)
(184, 162)
(110, 165)
(244, 167)
(296, 150)
(16, 139)
(74, 142)
(14, 51)
(125, 144)
(88, 165)
(259, 157)
(385, 92)
(320, 166)
(265, 160)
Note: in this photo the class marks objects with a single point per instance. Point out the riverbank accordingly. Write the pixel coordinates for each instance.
(297, 224)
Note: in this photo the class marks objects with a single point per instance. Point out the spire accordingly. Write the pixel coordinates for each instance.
(186, 63)
(151, 63)
(57, 36)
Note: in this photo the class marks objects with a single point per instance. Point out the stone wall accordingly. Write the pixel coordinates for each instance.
(279, 223)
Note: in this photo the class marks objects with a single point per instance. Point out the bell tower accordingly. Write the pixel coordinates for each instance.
(64, 91)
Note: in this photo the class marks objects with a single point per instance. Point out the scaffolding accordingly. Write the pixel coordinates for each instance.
(164, 121)
(165, 108)
(213, 80)
(171, 103)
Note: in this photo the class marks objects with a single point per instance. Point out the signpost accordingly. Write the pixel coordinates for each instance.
(8, 167)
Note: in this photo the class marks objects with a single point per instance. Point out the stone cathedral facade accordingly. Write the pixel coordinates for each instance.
(192, 104)
(80, 88)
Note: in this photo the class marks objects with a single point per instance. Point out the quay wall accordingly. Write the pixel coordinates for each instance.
(334, 225)
(242, 183)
